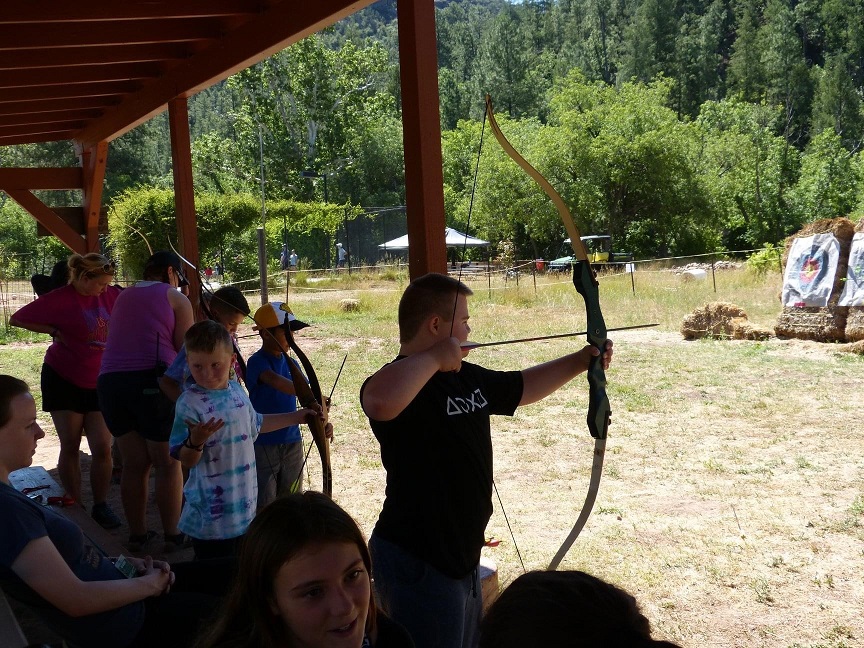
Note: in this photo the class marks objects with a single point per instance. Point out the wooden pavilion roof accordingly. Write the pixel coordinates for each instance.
(90, 70)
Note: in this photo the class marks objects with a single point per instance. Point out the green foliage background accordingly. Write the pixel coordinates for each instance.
(677, 127)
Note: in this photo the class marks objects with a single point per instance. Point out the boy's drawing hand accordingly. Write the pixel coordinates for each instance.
(448, 353)
(199, 432)
(328, 430)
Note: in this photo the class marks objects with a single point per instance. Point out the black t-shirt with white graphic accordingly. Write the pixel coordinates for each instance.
(438, 457)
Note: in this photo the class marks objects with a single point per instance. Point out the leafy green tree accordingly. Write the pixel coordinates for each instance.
(746, 71)
(788, 80)
(837, 105)
(747, 169)
(827, 186)
(306, 103)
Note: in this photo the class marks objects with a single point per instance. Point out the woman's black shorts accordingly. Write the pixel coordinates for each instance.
(132, 401)
(60, 394)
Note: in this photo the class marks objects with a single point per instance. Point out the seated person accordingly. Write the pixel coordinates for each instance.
(47, 564)
(303, 579)
(569, 609)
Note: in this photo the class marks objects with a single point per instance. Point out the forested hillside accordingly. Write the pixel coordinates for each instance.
(680, 126)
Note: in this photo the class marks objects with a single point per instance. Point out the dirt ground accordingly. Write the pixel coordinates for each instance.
(732, 500)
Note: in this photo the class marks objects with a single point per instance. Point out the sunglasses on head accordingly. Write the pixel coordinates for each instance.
(108, 269)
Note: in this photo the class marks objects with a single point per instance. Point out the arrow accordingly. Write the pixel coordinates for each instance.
(476, 345)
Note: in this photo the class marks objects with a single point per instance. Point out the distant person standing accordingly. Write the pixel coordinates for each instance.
(292, 260)
(342, 255)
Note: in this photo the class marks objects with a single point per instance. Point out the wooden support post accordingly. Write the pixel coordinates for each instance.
(93, 161)
(184, 194)
(421, 132)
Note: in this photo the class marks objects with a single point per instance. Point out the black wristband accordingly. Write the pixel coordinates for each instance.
(187, 443)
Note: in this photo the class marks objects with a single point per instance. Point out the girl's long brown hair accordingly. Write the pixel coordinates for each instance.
(278, 533)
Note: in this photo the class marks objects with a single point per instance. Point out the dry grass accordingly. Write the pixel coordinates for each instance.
(732, 500)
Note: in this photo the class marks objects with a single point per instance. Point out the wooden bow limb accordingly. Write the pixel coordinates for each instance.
(309, 395)
(585, 282)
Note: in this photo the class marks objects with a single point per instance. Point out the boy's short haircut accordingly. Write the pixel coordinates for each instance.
(431, 294)
(207, 336)
(229, 299)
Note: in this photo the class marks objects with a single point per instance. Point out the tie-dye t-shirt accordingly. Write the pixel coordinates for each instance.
(222, 489)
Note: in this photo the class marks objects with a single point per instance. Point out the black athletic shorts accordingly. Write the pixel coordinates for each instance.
(131, 401)
(60, 394)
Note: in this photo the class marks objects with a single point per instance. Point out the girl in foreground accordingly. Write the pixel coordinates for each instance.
(303, 581)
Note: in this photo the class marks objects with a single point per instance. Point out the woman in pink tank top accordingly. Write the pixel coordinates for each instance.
(148, 323)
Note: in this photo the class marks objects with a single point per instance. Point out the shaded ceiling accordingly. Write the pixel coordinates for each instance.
(92, 70)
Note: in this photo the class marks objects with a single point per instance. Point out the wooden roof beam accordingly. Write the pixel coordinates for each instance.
(70, 90)
(78, 74)
(65, 11)
(9, 140)
(35, 129)
(53, 117)
(36, 106)
(29, 58)
(41, 178)
(121, 32)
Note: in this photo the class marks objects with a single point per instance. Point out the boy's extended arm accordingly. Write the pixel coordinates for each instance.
(392, 388)
(543, 379)
(280, 383)
(273, 422)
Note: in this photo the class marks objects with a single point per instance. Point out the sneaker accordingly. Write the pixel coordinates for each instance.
(137, 543)
(106, 518)
(177, 542)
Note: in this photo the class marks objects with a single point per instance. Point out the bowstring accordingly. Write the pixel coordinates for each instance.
(468, 221)
(456, 302)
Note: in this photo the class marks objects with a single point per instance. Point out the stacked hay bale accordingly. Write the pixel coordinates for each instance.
(721, 320)
(828, 323)
(855, 319)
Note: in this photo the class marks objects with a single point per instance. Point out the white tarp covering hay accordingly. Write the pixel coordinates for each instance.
(807, 270)
(853, 289)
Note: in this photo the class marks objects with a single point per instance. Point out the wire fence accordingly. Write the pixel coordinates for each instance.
(16, 292)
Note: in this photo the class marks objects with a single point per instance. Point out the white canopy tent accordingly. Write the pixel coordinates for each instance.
(452, 237)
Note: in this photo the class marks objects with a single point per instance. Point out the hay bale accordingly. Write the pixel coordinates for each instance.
(349, 305)
(744, 330)
(713, 320)
(826, 324)
(857, 347)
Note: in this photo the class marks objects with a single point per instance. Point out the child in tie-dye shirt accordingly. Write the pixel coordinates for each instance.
(215, 428)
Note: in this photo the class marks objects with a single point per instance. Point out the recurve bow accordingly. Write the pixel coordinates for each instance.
(585, 281)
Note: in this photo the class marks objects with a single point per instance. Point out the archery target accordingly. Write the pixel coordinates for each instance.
(853, 288)
(810, 271)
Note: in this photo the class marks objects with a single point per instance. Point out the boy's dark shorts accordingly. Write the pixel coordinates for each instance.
(60, 394)
(132, 401)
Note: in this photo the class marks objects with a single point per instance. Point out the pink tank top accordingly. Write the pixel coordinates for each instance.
(142, 330)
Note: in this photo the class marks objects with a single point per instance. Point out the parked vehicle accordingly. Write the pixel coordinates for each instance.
(600, 252)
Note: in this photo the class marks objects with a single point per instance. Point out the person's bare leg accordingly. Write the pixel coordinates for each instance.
(99, 440)
(135, 481)
(68, 425)
(169, 485)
